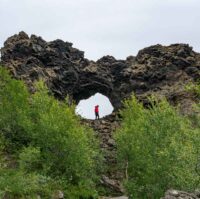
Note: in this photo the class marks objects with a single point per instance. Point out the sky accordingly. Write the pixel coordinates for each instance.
(104, 27)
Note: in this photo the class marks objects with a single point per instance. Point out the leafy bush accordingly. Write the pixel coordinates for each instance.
(16, 184)
(194, 88)
(195, 116)
(67, 148)
(157, 149)
(47, 138)
(14, 99)
(30, 159)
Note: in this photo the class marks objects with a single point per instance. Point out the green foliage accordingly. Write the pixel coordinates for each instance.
(195, 116)
(16, 184)
(67, 149)
(157, 149)
(194, 88)
(80, 192)
(30, 159)
(47, 139)
(13, 110)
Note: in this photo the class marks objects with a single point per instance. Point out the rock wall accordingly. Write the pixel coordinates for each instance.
(160, 70)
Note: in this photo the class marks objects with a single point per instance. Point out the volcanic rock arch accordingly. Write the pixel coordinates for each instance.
(160, 70)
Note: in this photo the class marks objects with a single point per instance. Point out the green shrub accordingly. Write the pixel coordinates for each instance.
(16, 184)
(157, 149)
(80, 192)
(14, 99)
(30, 159)
(47, 138)
(194, 88)
(67, 148)
(195, 116)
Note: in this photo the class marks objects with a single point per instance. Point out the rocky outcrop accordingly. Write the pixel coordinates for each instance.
(160, 70)
(174, 194)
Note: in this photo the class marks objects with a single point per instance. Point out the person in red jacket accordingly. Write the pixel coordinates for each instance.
(96, 111)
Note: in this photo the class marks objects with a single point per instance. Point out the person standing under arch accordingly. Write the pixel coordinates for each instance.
(96, 111)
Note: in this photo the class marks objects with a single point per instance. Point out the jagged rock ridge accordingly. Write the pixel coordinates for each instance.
(161, 70)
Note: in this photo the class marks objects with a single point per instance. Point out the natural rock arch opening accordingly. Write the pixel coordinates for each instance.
(85, 107)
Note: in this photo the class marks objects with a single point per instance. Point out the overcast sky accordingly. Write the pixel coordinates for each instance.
(100, 27)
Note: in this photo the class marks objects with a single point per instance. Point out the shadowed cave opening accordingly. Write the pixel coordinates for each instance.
(85, 107)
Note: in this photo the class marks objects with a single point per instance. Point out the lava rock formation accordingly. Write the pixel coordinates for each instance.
(159, 70)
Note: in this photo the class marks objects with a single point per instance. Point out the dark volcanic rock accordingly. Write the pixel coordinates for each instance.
(159, 70)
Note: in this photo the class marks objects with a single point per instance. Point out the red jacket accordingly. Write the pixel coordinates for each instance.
(96, 109)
